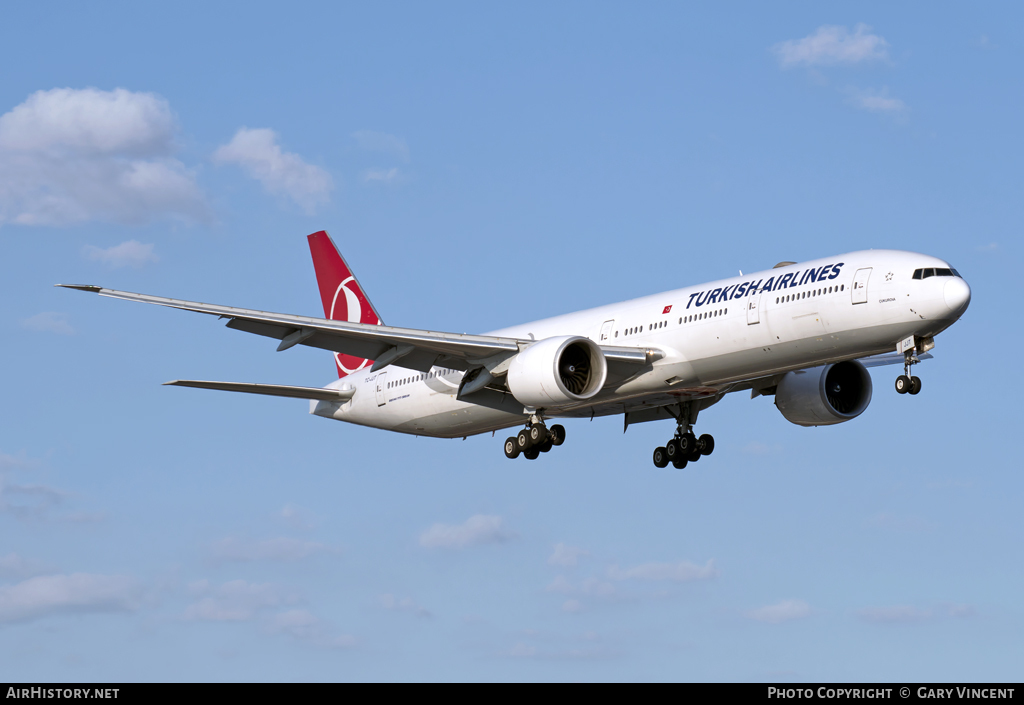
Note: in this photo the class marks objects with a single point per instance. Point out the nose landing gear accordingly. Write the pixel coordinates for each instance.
(905, 383)
(535, 439)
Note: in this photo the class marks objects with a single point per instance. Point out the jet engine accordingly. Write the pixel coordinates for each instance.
(557, 371)
(826, 395)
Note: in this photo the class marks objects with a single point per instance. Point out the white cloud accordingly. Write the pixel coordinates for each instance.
(681, 572)
(382, 175)
(572, 606)
(131, 253)
(830, 45)
(591, 586)
(382, 142)
(758, 448)
(405, 604)
(79, 592)
(8, 462)
(297, 517)
(896, 613)
(49, 322)
(477, 530)
(781, 612)
(259, 155)
(561, 584)
(232, 549)
(908, 614)
(565, 555)
(521, 650)
(876, 101)
(14, 566)
(305, 627)
(234, 601)
(28, 501)
(73, 155)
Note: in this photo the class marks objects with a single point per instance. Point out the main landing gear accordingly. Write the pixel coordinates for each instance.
(535, 439)
(683, 448)
(905, 383)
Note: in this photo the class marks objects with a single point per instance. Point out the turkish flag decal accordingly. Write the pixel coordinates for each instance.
(667, 310)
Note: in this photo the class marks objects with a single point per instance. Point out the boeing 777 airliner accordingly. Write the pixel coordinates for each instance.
(803, 332)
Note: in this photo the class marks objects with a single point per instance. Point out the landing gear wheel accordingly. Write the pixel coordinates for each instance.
(679, 464)
(557, 434)
(694, 456)
(523, 440)
(672, 451)
(706, 443)
(531, 454)
(660, 458)
(687, 442)
(915, 385)
(903, 384)
(512, 447)
(545, 446)
(537, 434)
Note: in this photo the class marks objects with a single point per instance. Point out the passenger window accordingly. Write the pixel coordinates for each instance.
(842, 287)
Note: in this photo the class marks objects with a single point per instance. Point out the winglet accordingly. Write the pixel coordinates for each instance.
(82, 287)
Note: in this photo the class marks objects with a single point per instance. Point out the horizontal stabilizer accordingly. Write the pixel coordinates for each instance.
(274, 390)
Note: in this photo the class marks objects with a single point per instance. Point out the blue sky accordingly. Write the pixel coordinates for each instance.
(479, 167)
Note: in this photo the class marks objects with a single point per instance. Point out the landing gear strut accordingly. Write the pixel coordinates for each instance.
(535, 439)
(684, 447)
(905, 383)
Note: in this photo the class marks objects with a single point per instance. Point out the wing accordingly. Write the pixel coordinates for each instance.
(890, 359)
(416, 349)
(273, 390)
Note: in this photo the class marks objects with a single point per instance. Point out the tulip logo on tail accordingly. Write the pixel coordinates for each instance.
(341, 295)
(346, 306)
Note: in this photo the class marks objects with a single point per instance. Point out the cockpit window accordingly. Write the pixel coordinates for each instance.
(935, 272)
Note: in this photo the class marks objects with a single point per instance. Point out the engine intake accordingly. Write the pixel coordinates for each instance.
(826, 395)
(557, 371)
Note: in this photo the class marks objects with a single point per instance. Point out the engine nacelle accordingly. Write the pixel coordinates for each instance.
(822, 396)
(557, 372)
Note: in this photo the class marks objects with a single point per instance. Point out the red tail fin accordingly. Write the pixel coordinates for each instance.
(341, 294)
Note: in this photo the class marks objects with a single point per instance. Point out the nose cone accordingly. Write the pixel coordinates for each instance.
(957, 295)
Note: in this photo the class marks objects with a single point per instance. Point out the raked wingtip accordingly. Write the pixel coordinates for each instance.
(82, 287)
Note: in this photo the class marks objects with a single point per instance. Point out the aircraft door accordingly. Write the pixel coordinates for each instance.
(382, 388)
(606, 331)
(860, 286)
(754, 308)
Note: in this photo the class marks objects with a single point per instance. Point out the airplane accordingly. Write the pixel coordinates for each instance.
(804, 333)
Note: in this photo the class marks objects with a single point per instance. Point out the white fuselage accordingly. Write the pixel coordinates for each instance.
(714, 337)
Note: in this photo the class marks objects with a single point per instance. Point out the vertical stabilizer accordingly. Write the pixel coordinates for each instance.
(342, 296)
